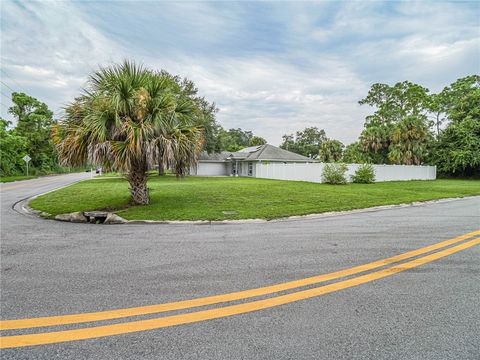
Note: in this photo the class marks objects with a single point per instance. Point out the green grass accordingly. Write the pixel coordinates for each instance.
(204, 198)
(5, 179)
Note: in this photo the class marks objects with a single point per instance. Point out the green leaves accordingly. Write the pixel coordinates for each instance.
(130, 119)
(34, 122)
(398, 131)
(306, 142)
(330, 151)
(458, 149)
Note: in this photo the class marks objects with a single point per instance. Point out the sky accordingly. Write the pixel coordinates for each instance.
(271, 67)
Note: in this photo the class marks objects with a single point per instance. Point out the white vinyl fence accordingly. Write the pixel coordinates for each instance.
(313, 171)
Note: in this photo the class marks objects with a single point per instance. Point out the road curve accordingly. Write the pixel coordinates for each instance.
(431, 311)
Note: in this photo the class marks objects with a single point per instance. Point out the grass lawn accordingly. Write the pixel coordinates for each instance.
(206, 198)
(5, 179)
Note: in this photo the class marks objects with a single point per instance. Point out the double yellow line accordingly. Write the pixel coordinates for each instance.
(202, 315)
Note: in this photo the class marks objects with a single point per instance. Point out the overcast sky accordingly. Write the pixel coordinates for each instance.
(271, 67)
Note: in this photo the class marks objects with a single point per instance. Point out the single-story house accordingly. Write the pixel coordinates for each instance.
(242, 162)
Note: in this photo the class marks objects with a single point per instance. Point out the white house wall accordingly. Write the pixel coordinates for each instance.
(212, 169)
(313, 171)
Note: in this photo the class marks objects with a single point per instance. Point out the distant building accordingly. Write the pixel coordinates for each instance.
(242, 162)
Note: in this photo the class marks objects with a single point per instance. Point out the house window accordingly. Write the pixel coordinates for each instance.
(250, 169)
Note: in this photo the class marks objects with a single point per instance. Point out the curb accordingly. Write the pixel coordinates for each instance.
(300, 217)
(27, 210)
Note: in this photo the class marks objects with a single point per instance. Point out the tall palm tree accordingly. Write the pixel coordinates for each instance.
(119, 123)
(410, 140)
(375, 140)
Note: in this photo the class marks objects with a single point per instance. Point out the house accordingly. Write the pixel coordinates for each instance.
(242, 162)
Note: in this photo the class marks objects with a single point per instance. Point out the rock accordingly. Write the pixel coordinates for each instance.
(78, 217)
(114, 219)
(96, 214)
(63, 217)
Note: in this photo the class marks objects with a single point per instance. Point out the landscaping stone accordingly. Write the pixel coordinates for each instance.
(114, 219)
(78, 217)
(63, 217)
(95, 214)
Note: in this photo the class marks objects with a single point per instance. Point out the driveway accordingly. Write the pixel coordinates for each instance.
(428, 307)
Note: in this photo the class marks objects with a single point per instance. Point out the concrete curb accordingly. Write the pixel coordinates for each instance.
(27, 210)
(22, 206)
(301, 217)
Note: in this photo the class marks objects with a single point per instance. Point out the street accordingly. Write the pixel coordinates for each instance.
(428, 307)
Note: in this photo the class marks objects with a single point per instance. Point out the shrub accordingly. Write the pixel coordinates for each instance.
(334, 173)
(365, 174)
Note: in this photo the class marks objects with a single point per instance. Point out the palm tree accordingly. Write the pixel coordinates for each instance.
(410, 140)
(331, 150)
(119, 123)
(375, 140)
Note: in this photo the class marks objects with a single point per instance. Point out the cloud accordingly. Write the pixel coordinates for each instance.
(273, 68)
(274, 97)
(49, 48)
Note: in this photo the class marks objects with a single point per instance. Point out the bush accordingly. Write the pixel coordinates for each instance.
(334, 174)
(365, 174)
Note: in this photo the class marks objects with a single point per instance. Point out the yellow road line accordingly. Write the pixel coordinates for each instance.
(210, 300)
(157, 323)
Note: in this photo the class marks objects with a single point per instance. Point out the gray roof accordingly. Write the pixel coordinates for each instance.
(261, 152)
(213, 156)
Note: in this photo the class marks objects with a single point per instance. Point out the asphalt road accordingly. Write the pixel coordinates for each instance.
(430, 311)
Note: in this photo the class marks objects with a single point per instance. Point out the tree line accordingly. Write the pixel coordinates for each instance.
(31, 136)
(179, 103)
(409, 126)
(131, 118)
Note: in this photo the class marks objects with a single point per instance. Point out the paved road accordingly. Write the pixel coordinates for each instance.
(430, 311)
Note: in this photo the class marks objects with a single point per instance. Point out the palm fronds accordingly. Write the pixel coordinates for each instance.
(126, 115)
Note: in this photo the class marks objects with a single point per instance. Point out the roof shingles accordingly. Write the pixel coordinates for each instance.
(262, 152)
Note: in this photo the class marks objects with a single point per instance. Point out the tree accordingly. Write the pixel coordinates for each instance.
(306, 142)
(375, 141)
(206, 120)
(193, 107)
(330, 151)
(437, 109)
(410, 141)
(126, 114)
(288, 142)
(34, 122)
(12, 149)
(233, 139)
(399, 108)
(354, 154)
(457, 150)
(239, 139)
(393, 103)
(463, 99)
(257, 140)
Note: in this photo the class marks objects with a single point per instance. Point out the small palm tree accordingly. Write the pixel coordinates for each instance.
(120, 123)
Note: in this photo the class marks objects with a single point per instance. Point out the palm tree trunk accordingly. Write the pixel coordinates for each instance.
(161, 168)
(138, 186)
